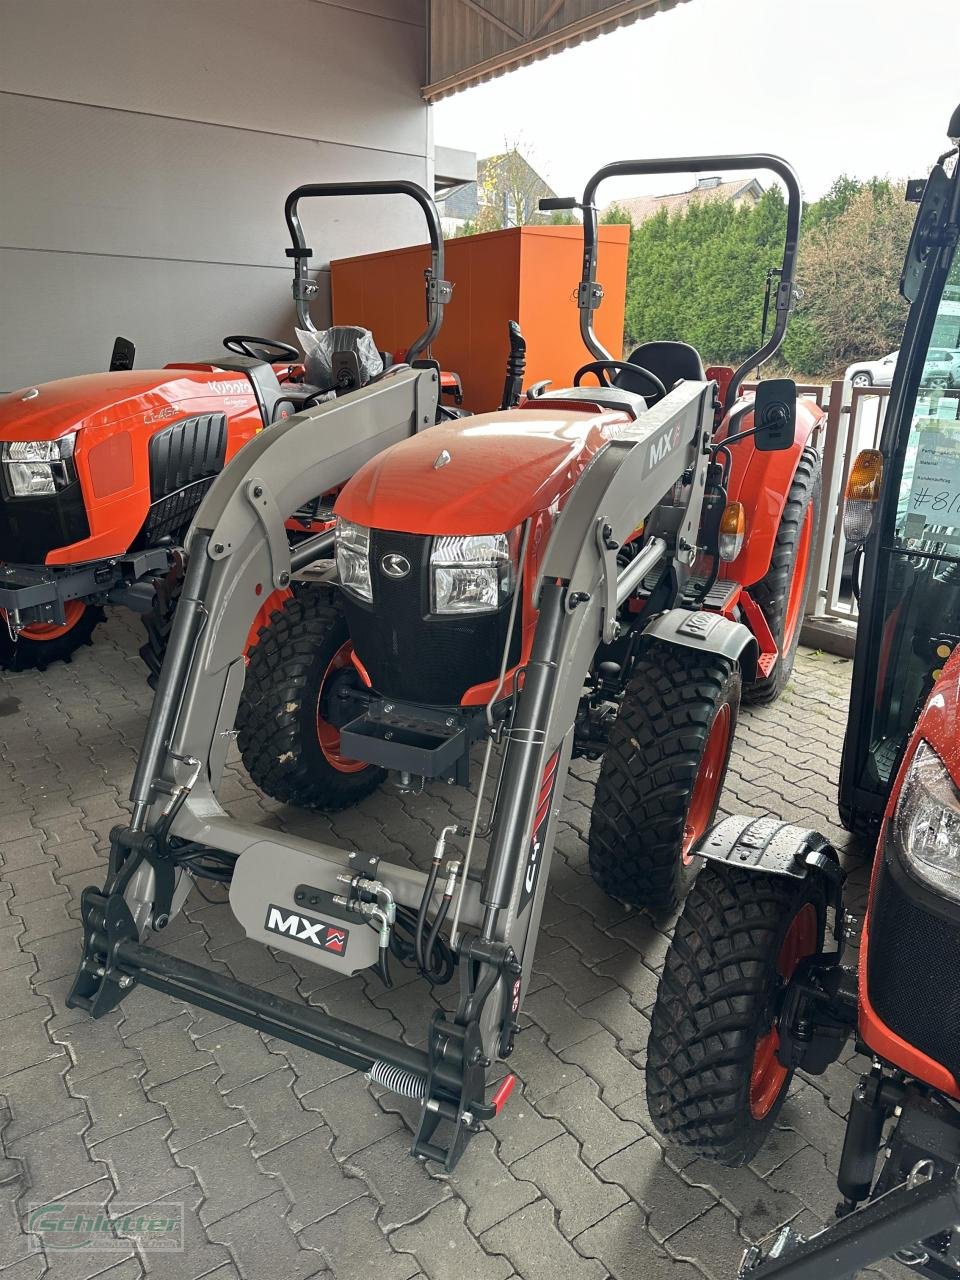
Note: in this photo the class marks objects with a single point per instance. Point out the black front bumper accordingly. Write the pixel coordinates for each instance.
(31, 594)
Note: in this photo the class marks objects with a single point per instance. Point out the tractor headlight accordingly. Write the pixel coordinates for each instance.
(927, 822)
(37, 467)
(353, 558)
(473, 573)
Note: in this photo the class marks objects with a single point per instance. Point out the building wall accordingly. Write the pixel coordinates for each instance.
(146, 147)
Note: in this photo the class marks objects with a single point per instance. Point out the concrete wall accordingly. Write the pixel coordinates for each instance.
(146, 147)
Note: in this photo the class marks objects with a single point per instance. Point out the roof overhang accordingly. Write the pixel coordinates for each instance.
(475, 40)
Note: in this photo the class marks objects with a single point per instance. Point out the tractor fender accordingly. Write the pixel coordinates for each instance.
(761, 481)
(708, 632)
(772, 847)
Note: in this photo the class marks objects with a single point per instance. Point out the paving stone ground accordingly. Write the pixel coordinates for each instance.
(288, 1166)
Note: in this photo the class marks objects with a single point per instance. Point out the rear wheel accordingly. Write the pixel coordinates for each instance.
(662, 775)
(290, 713)
(782, 593)
(714, 1081)
(41, 643)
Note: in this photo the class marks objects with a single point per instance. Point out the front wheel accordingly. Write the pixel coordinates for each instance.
(40, 643)
(861, 380)
(662, 775)
(291, 709)
(714, 1080)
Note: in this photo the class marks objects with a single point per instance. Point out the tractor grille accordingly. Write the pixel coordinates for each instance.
(32, 527)
(411, 656)
(912, 964)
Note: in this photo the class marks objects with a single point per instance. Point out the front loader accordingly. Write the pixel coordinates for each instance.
(537, 572)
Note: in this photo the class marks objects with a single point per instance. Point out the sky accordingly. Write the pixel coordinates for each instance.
(861, 87)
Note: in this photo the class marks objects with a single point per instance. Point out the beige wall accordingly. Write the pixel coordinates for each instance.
(146, 147)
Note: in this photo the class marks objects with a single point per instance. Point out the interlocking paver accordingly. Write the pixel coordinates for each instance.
(404, 1188)
(581, 1197)
(272, 1109)
(315, 1182)
(354, 1246)
(627, 1251)
(264, 1243)
(534, 1244)
(116, 1102)
(490, 1190)
(600, 1130)
(141, 1164)
(288, 1162)
(619, 1077)
(669, 1201)
(447, 1249)
(226, 1170)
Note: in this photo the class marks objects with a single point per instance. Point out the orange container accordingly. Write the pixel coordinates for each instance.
(528, 274)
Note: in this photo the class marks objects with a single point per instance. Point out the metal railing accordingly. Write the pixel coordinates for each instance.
(855, 418)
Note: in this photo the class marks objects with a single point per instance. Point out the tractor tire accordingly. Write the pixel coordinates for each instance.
(158, 623)
(782, 593)
(662, 775)
(39, 645)
(288, 749)
(714, 1083)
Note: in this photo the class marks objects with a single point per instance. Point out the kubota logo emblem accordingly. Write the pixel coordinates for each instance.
(394, 565)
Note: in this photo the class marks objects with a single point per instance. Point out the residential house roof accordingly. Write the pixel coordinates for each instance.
(642, 207)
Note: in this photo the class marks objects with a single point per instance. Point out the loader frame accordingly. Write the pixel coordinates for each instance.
(238, 553)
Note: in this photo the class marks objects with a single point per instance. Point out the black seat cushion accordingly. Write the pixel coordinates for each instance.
(670, 361)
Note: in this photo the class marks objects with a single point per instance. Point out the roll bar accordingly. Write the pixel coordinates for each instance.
(590, 293)
(438, 289)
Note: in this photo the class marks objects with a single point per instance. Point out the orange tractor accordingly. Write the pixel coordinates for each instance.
(100, 475)
(554, 578)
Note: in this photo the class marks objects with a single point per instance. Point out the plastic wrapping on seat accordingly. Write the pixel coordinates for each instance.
(321, 349)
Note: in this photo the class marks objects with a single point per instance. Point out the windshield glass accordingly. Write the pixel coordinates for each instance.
(919, 581)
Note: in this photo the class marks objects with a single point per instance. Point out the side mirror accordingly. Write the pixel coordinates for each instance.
(775, 414)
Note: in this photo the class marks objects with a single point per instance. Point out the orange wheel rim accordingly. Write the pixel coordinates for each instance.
(769, 1075)
(328, 735)
(798, 583)
(707, 786)
(73, 611)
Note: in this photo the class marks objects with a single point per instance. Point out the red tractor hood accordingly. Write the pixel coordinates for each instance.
(483, 474)
(54, 409)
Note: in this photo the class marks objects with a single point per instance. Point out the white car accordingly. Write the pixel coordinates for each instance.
(872, 373)
(941, 369)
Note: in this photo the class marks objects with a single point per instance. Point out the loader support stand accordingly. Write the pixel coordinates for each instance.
(898, 1220)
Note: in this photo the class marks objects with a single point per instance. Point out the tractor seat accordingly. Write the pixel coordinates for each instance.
(672, 362)
(614, 397)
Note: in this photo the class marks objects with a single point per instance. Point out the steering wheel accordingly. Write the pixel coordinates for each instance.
(601, 368)
(243, 344)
